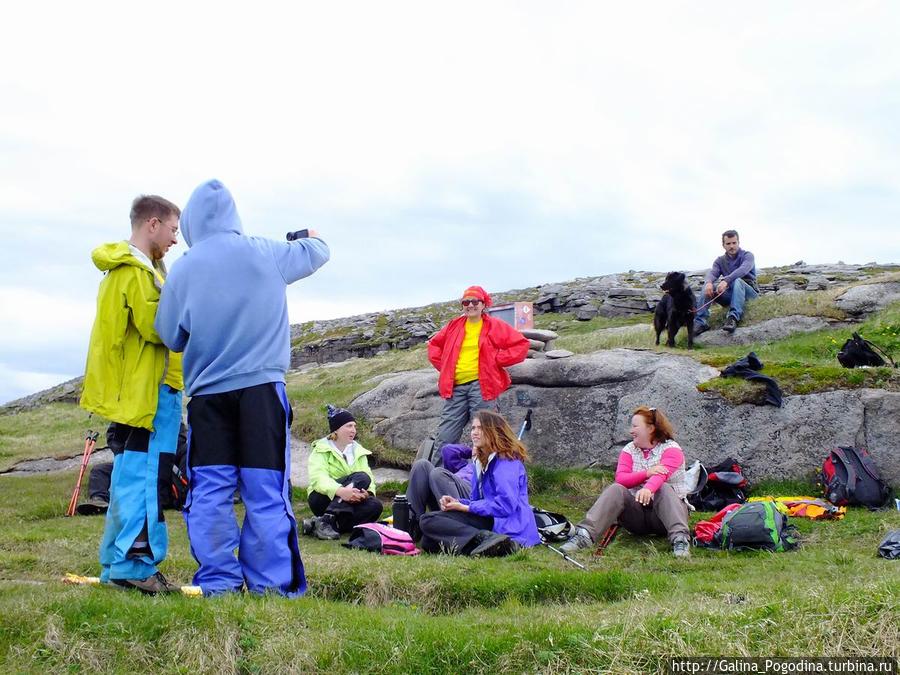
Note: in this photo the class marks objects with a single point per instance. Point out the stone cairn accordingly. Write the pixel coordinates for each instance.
(542, 344)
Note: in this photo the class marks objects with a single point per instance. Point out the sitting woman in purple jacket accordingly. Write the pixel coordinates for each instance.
(497, 518)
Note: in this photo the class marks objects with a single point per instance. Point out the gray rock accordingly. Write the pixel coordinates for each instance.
(536, 345)
(862, 300)
(582, 407)
(625, 292)
(535, 354)
(586, 313)
(765, 331)
(539, 334)
(559, 354)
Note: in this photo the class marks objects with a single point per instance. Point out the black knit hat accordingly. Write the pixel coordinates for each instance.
(338, 417)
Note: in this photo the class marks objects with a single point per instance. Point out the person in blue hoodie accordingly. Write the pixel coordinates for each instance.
(496, 519)
(224, 305)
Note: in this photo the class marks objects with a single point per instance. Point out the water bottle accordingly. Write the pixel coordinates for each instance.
(401, 513)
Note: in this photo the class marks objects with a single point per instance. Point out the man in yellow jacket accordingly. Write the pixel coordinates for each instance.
(132, 379)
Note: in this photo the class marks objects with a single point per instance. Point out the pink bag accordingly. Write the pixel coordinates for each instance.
(382, 539)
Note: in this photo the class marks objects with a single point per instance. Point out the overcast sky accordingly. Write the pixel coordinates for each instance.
(440, 144)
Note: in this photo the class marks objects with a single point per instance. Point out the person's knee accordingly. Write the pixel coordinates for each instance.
(360, 480)
(616, 489)
(419, 471)
(421, 466)
(373, 508)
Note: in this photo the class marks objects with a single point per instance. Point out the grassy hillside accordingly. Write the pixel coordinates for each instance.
(532, 612)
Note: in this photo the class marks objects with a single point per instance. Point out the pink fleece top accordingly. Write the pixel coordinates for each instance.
(672, 458)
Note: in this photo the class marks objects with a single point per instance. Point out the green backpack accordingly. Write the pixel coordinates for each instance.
(758, 525)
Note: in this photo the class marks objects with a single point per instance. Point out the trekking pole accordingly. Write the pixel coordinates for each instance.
(565, 557)
(526, 424)
(607, 538)
(90, 440)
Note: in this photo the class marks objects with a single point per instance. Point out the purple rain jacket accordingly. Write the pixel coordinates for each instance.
(502, 493)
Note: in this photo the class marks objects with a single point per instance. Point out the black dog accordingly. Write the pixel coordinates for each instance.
(675, 309)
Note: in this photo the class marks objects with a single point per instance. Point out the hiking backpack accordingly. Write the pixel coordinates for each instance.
(725, 484)
(850, 477)
(755, 526)
(382, 539)
(857, 351)
(551, 526)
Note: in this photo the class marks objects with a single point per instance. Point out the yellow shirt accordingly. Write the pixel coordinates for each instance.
(467, 365)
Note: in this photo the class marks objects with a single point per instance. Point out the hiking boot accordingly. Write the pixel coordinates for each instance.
(700, 328)
(681, 547)
(307, 526)
(152, 585)
(730, 324)
(92, 507)
(325, 528)
(495, 545)
(581, 539)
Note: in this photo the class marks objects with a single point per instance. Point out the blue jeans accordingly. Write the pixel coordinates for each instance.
(734, 298)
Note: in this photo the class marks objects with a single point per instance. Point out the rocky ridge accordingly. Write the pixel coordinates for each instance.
(630, 293)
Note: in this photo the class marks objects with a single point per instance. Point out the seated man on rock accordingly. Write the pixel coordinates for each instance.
(731, 282)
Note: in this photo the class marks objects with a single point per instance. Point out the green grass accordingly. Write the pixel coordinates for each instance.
(807, 363)
(532, 612)
(55, 430)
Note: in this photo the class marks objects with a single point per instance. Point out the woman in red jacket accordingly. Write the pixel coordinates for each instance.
(471, 352)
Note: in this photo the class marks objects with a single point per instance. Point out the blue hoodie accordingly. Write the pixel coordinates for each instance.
(224, 302)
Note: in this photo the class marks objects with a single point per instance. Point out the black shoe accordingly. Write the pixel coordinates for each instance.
(325, 528)
(152, 585)
(700, 329)
(495, 546)
(307, 526)
(729, 326)
(92, 507)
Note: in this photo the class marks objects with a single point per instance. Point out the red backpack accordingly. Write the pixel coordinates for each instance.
(850, 477)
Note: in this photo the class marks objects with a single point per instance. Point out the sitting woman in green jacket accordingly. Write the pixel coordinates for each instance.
(341, 487)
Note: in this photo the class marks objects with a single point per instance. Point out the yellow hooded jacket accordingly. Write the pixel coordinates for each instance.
(127, 360)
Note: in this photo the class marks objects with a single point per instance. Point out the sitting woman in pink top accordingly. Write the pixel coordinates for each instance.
(648, 496)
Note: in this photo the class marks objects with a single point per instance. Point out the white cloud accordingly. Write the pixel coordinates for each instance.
(512, 143)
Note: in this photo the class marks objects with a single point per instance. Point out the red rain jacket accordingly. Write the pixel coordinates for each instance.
(499, 345)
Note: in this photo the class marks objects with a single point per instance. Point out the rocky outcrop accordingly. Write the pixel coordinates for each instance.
(582, 407)
(765, 331)
(868, 298)
(612, 295)
(67, 392)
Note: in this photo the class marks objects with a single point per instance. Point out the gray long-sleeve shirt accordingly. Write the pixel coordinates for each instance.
(741, 266)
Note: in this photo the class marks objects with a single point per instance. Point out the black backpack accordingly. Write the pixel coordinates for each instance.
(725, 484)
(850, 478)
(552, 526)
(857, 351)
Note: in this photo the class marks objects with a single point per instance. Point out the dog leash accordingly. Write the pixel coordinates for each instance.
(707, 304)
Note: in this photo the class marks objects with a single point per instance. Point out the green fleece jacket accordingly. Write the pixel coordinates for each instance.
(127, 360)
(326, 464)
